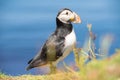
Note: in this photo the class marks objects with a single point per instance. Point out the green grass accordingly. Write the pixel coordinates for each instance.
(107, 69)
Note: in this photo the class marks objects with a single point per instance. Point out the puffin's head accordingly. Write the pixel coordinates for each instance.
(67, 16)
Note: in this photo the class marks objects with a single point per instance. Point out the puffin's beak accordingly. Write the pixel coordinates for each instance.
(75, 18)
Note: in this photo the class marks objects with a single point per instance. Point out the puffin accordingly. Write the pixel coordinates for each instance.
(60, 43)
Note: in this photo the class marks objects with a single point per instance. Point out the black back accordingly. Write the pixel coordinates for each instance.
(53, 47)
(56, 41)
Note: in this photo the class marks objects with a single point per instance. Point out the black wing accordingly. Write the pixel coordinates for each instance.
(51, 51)
(55, 47)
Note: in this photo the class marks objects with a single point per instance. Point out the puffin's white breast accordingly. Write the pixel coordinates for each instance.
(70, 39)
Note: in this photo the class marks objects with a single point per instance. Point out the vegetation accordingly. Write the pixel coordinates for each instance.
(107, 69)
(90, 67)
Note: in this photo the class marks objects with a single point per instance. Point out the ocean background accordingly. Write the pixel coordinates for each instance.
(26, 24)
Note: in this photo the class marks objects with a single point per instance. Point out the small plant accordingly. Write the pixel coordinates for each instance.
(89, 52)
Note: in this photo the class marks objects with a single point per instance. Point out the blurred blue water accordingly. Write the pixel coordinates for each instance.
(26, 24)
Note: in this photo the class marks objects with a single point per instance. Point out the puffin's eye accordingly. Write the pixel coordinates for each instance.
(66, 13)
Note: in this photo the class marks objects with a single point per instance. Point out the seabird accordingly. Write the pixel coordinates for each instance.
(60, 43)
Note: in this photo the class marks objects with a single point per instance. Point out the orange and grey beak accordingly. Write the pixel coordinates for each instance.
(75, 18)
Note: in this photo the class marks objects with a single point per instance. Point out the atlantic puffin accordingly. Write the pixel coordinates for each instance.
(60, 43)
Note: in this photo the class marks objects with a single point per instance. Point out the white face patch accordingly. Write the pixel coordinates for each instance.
(65, 16)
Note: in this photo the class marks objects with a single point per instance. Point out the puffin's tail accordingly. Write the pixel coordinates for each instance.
(29, 67)
(35, 63)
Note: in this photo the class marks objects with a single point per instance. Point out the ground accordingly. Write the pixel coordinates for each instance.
(106, 69)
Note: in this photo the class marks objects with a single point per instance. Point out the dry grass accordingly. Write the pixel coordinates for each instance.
(107, 69)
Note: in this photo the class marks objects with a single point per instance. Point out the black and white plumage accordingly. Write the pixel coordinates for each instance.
(60, 43)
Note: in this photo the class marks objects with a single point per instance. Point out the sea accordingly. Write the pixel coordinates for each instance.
(26, 24)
